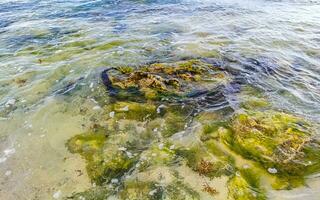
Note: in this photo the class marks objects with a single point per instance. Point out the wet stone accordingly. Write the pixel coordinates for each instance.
(165, 81)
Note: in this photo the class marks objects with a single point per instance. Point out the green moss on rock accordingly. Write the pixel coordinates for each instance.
(167, 80)
(101, 166)
(134, 111)
(279, 142)
(244, 185)
(141, 190)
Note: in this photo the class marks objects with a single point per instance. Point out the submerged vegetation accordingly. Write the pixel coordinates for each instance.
(153, 134)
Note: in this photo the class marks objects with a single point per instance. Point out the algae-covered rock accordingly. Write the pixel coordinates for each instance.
(94, 193)
(283, 144)
(252, 98)
(133, 110)
(101, 166)
(174, 122)
(140, 190)
(157, 155)
(244, 186)
(137, 190)
(199, 159)
(164, 80)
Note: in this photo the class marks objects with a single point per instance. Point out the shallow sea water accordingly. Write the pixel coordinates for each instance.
(52, 53)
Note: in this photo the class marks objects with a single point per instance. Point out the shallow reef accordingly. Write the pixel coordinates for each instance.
(152, 144)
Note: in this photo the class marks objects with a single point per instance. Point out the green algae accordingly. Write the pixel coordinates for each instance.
(157, 155)
(280, 143)
(101, 167)
(140, 122)
(244, 185)
(253, 98)
(110, 45)
(86, 144)
(134, 111)
(199, 159)
(162, 81)
(94, 193)
(173, 124)
(62, 55)
(136, 190)
(80, 44)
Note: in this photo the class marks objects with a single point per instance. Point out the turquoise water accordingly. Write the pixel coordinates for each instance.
(52, 53)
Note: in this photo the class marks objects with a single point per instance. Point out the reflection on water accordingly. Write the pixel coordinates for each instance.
(52, 53)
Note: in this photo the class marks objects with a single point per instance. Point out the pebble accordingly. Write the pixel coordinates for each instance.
(8, 173)
(114, 181)
(111, 114)
(122, 149)
(3, 159)
(161, 146)
(8, 152)
(129, 154)
(93, 100)
(159, 108)
(246, 166)
(153, 192)
(10, 102)
(57, 195)
(272, 170)
(96, 108)
(126, 108)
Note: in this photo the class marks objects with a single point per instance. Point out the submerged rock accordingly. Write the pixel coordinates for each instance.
(282, 144)
(276, 140)
(245, 185)
(164, 81)
(151, 132)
